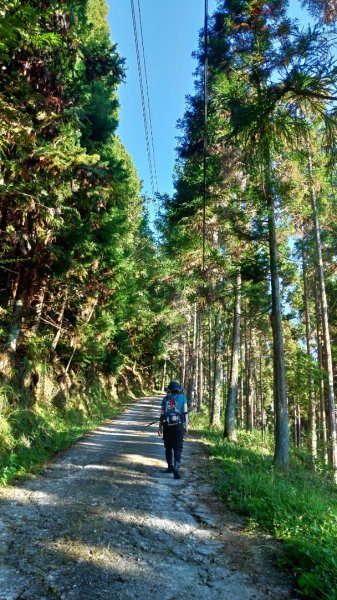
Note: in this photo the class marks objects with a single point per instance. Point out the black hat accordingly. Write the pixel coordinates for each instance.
(174, 386)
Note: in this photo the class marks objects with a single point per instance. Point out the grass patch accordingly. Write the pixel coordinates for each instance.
(296, 506)
(30, 436)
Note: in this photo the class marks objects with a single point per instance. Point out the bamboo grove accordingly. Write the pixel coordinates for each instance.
(258, 340)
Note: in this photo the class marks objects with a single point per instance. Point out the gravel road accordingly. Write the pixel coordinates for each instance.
(103, 521)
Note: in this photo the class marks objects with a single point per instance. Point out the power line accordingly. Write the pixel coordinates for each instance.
(148, 98)
(141, 84)
(140, 75)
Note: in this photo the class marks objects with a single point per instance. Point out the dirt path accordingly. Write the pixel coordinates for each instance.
(104, 522)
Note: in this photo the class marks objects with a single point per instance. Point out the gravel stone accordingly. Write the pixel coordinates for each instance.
(103, 521)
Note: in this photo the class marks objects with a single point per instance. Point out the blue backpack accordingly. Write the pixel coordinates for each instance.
(172, 415)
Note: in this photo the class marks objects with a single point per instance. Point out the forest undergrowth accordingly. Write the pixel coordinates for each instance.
(32, 432)
(297, 506)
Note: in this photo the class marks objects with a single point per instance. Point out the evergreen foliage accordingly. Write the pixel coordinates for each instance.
(271, 90)
(93, 308)
(263, 360)
(79, 267)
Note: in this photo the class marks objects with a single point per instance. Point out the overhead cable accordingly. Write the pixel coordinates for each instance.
(148, 98)
(141, 84)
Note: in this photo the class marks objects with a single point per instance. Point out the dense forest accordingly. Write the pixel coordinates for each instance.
(234, 295)
(237, 299)
(259, 340)
(80, 287)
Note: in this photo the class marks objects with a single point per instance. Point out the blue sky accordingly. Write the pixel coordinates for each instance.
(170, 31)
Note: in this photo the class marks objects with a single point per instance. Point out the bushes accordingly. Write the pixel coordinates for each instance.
(298, 506)
(29, 436)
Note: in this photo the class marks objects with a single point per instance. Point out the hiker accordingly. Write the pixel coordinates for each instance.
(172, 426)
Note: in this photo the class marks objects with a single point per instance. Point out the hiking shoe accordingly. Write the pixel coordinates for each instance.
(170, 469)
(176, 472)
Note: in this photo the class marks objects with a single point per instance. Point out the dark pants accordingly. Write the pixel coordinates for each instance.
(173, 441)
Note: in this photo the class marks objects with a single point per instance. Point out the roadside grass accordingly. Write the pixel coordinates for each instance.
(30, 436)
(296, 506)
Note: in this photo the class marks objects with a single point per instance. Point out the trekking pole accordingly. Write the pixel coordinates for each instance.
(153, 422)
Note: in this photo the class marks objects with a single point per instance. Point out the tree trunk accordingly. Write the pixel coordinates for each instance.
(263, 410)
(323, 427)
(281, 453)
(242, 379)
(325, 323)
(19, 305)
(311, 384)
(229, 430)
(295, 425)
(210, 366)
(216, 401)
(298, 424)
(197, 373)
(39, 305)
(200, 363)
(163, 380)
(183, 363)
(60, 321)
(87, 318)
(193, 402)
(241, 412)
(248, 370)
(15, 330)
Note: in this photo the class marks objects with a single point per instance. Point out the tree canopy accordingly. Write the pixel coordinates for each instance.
(238, 288)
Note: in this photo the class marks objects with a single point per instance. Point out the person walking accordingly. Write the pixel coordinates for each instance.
(173, 425)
